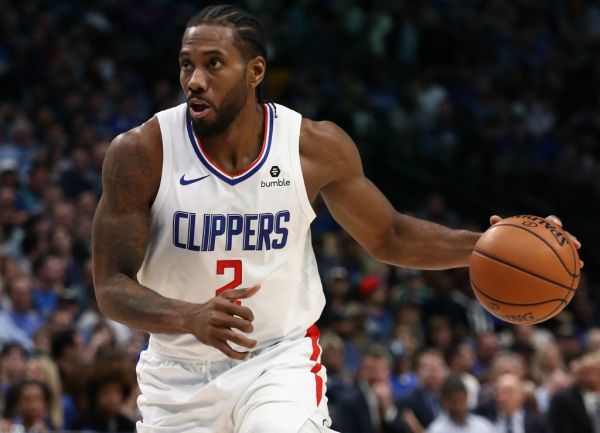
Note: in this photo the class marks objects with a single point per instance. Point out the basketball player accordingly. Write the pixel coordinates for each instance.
(202, 239)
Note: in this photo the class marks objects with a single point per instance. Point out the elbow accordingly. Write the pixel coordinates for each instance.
(384, 252)
(102, 299)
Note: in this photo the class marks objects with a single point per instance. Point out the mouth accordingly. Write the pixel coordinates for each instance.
(198, 110)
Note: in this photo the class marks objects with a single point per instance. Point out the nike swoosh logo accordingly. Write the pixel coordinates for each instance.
(185, 182)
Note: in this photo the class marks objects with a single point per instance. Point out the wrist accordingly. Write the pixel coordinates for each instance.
(182, 316)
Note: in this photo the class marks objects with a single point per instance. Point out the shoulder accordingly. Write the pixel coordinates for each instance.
(324, 138)
(438, 425)
(134, 161)
(480, 421)
(328, 151)
(146, 137)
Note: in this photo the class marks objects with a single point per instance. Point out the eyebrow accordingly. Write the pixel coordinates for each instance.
(186, 52)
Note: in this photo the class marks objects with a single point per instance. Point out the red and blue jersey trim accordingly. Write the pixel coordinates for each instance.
(234, 178)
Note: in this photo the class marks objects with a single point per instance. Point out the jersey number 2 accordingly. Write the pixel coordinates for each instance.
(236, 265)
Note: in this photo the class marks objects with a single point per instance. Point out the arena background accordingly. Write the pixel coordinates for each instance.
(460, 109)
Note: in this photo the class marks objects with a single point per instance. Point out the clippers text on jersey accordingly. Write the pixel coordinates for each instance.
(248, 232)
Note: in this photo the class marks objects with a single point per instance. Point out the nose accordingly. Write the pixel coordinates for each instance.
(198, 82)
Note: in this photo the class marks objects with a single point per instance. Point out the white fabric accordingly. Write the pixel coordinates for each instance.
(473, 424)
(472, 385)
(266, 217)
(274, 391)
(317, 424)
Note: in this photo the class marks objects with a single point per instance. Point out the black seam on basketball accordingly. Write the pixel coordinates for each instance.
(539, 320)
(545, 241)
(476, 287)
(543, 318)
(489, 256)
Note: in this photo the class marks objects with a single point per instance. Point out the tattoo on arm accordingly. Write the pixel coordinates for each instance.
(122, 176)
(121, 231)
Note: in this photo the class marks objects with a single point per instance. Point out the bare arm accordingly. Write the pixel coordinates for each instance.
(358, 205)
(130, 176)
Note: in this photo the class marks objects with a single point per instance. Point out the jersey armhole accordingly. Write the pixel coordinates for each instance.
(297, 167)
(167, 167)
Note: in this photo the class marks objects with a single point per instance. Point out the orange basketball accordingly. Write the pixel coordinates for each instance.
(524, 270)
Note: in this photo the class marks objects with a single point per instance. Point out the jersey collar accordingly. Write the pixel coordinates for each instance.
(234, 178)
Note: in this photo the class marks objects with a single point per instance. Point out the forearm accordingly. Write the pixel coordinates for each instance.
(420, 244)
(125, 300)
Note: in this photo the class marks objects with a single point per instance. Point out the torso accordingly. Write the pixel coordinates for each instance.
(212, 230)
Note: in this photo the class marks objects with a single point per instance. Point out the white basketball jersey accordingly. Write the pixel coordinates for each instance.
(212, 230)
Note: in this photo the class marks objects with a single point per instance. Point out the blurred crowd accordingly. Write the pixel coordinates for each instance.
(460, 108)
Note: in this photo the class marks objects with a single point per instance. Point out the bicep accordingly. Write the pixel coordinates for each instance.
(353, 200)
(361, 209)
(122, 219)
(119, 240)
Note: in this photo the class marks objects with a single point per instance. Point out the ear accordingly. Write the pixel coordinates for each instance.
(257, 67)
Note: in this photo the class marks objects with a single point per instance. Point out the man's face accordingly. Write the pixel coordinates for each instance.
(431, 372)
(21, 294)
(213, 76)
(375, 369)
(456, 406)
(509, 394)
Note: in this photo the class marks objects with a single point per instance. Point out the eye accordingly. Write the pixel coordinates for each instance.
(215, 63)
(185, 64)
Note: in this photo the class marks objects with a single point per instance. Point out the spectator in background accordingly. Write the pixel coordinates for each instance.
(424, 402)
(349, 325)
(439, 333)
(508, 411)
(369, 407)
(455, 417)
(61, 245)
(67, 351)
(412, 287)
(28, 407)
(461, 360)
(378, 320)
(13, 359)
(30, 196)
(78, 178)
(575, 409)
(337, 291)
(523, 340)
(107, 387)
(48, 271)
(548, 371)
(22, 313)
(486, 350)
(42, 369)
(11, 221)
(339, 380)
(505, 362)
(9, 332)
(592, 340)
(403, 346)
(409, 314)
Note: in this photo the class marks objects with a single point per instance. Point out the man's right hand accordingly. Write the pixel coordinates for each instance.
(213, 322)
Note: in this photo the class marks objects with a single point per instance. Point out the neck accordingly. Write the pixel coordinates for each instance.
(239, 145)
(459, 420)
(28, 422)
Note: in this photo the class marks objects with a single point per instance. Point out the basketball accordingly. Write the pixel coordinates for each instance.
(524, 270)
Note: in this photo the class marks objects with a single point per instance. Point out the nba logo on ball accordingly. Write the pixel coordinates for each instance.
(524, 270)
